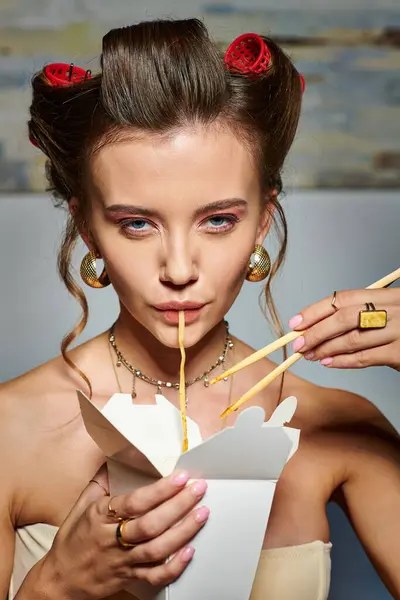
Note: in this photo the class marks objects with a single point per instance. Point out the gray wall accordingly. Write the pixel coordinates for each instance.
(337, 240)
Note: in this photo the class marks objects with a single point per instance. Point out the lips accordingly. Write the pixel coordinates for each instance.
(170, 311)
(179, 306)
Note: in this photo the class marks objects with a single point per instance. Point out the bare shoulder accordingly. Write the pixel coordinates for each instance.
(47, 390)
(31, 395)
(340, 410)
(43, 397)
(31, 404)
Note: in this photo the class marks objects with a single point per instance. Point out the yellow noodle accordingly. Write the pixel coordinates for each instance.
(182, 388)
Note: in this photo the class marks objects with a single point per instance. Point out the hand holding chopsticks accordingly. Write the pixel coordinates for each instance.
(289, 337)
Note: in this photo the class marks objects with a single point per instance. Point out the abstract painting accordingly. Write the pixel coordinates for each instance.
(349, 135)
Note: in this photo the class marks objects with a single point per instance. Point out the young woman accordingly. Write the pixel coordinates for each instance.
(170, 161)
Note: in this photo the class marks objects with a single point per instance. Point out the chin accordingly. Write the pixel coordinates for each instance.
(168, 335)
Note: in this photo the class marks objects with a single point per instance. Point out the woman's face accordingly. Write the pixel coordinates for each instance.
(176, 221)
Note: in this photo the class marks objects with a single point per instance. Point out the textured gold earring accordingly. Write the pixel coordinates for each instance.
(89, 272)
(259, 265)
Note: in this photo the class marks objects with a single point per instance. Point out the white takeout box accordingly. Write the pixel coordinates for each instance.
(241, 464)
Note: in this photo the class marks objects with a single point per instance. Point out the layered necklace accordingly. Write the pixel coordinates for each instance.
(158, 383)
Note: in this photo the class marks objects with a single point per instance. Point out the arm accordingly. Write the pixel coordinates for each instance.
(33, 586)
(7, 470)
(10, 473)
(370, 496)
(6, 550)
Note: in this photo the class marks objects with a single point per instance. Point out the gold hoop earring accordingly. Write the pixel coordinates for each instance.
(259, 265)
(89, 272)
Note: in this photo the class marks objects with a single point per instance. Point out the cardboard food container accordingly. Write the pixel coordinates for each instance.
(241, 464)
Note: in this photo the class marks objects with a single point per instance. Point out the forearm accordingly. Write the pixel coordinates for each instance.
(40, 585)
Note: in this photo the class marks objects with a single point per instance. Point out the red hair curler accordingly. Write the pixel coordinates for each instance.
(64, 74)
(58, 74)
(248, 54)
(303, 83)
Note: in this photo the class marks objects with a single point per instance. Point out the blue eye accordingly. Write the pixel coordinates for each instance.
(221, 223)
(138, 224)
(218, 221)
(136, 227)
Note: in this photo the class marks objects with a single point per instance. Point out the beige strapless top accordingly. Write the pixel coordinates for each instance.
(292, 573)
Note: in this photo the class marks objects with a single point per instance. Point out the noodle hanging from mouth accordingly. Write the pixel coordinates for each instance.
(182, 387)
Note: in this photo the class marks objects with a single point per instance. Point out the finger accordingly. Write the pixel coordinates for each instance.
(101, 478)
(149, 496)
(322, 309)
(374, 357)
(165, 574)
(342, 321)
(353, 341)
(157, 521)
(159, 548)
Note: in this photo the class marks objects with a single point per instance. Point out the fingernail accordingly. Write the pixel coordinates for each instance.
(298, 344)
(187, 553)
(199, 487)
(180, 478)
(201, 514)
(295, 321)
(309, 355)
(326, 361)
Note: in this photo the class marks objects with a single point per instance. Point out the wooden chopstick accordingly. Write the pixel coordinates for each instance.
(385, 281)
(262, 384)
(259, 354)
(292, 335)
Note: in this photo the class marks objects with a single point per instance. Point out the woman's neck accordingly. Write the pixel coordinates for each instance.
(146, 354)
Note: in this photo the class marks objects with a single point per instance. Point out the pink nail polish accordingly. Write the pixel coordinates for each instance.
(298, 344)
(309, 355)
(199, 487)
(201, 514)
(295, 321)
(187, 553)
(180, 478)
(326, 361)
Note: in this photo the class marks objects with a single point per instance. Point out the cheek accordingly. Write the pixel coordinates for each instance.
(129, 271)
(228, 269)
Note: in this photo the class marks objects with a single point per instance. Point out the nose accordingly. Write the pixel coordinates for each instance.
(179, 265)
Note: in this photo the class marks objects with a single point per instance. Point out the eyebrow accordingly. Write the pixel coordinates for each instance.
(116, 209)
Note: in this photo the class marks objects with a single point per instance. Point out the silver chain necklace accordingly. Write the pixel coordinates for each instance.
(121, 360)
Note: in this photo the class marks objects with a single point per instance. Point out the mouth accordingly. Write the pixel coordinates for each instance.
(179, 306)
(169, 311)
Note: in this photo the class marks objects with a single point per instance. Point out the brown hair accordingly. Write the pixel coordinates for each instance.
(159, 76)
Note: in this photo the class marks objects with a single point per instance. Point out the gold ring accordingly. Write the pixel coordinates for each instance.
(372, 318)
(102, 486)
(334, 300)
(112, 513)
(120, 534)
